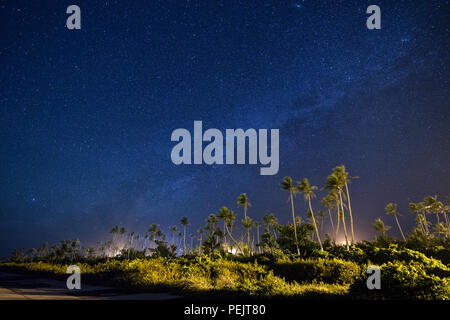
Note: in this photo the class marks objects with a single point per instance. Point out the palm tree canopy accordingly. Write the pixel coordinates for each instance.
(305, 187)
(334, 182)
(247, 223)
(184, 221)
(391, 208)
(270, 220)
(243, 200)
(379, 226)
(288, 185)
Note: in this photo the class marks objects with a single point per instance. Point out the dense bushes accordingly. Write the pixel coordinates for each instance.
(318, 270)
(405, 281)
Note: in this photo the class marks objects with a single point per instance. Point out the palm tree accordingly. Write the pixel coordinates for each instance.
(200, 240)
(287, 185)
(247, 223)
(321, 216)
(154, 232)
(329, 202)
(256, 225)
(345, 179)
(174, 230)
(229, 221)
(270, 221)
(242, 201)
(221, 215)
(379, 226)
(419, 209)
(114, 232)
(305, 187)
(391, 209)
(184, 222)
(335, 183)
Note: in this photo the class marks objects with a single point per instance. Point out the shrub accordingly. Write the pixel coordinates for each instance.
(333, 271)
(404, 281)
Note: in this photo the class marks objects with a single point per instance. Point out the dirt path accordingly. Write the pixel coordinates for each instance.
(24, 287)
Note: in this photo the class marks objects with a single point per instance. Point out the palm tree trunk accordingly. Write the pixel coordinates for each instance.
(225, 235)
(235, 242)
(257, 235)
(338, 220)
(426, 223)
(295, 226)
(350, 212)
(343, 220)
(331, 220)
(315, 224)
(398, 224)
(446, 223)
(245, 210)
(184, 241)
(248, 241)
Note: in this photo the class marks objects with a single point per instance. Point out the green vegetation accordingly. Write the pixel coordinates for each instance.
(296, 260)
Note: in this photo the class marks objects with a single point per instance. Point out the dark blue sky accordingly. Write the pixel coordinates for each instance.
(86, 115)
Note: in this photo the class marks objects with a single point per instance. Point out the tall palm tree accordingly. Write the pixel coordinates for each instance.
(200, 240)
(247, 223)
(343, 176)
(184, 222)
(391, 209)
(287, 185)
(329, 202)
(335, 183)
(174, 230)
(242, 201)
(114, 231)
(222, 215)
(379, 226)
(308, 192)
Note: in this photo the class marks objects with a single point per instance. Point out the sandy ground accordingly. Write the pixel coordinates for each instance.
(24, 287)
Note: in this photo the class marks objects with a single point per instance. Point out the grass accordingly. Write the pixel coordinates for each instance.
(199, 277)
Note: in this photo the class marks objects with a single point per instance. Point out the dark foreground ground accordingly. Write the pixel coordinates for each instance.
(27, 287)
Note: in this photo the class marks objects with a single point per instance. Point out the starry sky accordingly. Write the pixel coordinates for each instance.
(87, 115)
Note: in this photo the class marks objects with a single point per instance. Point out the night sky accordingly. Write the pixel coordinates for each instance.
(87, 115)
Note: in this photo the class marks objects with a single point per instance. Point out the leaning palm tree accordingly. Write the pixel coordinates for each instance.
(343, 176)
(379, 226)
(242, 201)
(308, 192)
(287, 185)
(329, 202)
(184, 222)
(391, 209)
(419, 209)
(229, 218)
(335, 183)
